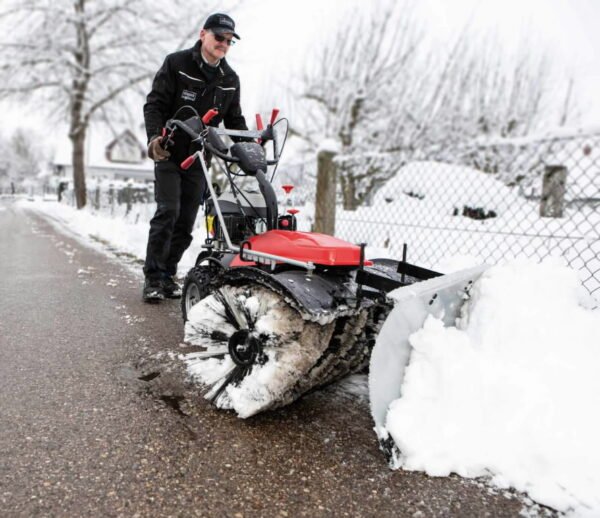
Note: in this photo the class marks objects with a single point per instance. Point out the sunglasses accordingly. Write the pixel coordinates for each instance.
(220, 38)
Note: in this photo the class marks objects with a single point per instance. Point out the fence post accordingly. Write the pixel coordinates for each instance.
(553, 191)
(326, 193)
(128, 195)
(111, 198)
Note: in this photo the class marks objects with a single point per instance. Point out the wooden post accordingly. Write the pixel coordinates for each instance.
(326, 193)
(128, 199)
(553, 191)
(111, 198)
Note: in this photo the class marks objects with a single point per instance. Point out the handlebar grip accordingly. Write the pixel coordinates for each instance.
(209, 115)
(187, 163)
(274, 115)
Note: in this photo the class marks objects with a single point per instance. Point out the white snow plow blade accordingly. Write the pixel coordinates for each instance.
(441, 297)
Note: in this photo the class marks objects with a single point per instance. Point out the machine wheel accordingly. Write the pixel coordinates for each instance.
(196, 283)
(258, 350)
(194, 289)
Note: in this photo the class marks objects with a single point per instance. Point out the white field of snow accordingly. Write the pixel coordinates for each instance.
(512, 391)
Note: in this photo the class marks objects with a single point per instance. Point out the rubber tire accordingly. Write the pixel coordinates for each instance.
(195, 287)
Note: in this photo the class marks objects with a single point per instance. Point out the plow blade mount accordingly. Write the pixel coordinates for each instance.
(441, 297)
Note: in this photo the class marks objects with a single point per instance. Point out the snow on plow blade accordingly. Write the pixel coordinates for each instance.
(441, 297)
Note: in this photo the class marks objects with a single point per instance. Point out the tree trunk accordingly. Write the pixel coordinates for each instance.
(78, 141)
(326, 189)
(351, 202)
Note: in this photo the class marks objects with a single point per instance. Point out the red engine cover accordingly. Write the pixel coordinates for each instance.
(305, 246)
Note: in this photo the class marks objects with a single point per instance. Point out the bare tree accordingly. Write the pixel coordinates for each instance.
(348, 84)
(80, 57)
(486, 91)
(22, 158)
(25, 155)
(387, 95)
(492, 96)
(4, 166)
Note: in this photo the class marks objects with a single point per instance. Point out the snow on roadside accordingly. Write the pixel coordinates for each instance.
(512, 392)
(128, 234)
(125, 234)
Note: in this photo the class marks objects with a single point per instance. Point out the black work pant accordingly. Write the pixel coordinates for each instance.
(178, 195)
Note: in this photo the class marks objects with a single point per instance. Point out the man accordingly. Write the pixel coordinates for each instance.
(201, 78)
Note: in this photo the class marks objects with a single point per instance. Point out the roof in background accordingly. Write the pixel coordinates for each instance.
(99, 139)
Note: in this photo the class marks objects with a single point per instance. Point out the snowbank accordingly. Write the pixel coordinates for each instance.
(513, 391)
(123, 233)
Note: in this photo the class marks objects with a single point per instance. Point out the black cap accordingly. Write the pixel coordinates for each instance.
(220, 23)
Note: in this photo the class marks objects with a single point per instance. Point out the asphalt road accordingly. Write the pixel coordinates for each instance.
(81, 434)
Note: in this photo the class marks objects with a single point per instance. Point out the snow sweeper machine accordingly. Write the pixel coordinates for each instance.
(276, 312)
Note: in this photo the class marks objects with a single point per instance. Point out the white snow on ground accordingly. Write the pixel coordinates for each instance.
(125, 233)
(417, 204)
(128, 233)
(512, 392)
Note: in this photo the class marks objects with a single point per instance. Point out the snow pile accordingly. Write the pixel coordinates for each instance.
(422, 205)
(124, 233)
(445, 187)
(513, 392)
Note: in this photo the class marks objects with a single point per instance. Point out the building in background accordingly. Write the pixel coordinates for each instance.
(108, 157)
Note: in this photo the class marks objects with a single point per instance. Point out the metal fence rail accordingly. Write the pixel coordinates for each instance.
(507, 199)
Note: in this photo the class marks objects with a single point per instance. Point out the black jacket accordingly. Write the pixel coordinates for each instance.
(181, 81)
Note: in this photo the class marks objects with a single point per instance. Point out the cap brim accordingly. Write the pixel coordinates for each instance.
(224, 30)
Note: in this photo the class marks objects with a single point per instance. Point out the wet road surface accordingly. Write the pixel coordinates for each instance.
(82, 434)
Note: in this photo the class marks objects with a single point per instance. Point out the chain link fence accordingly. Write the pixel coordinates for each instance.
(500, 200)
(493, 201)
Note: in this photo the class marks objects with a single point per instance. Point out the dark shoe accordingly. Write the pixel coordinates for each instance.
(171, 289)
(153, 291)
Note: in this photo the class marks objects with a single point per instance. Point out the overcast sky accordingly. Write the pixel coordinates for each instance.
(275, 35)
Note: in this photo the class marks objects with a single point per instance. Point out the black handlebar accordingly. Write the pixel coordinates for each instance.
(202, 135)
(182, 125)
(216, 152)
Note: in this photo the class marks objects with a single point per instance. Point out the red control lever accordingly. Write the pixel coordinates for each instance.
(187, 163)
(209, 115)
(287, 188)
(274, 114)
(259, 126)
(293, 212)
(259, 122)
(164, 138)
